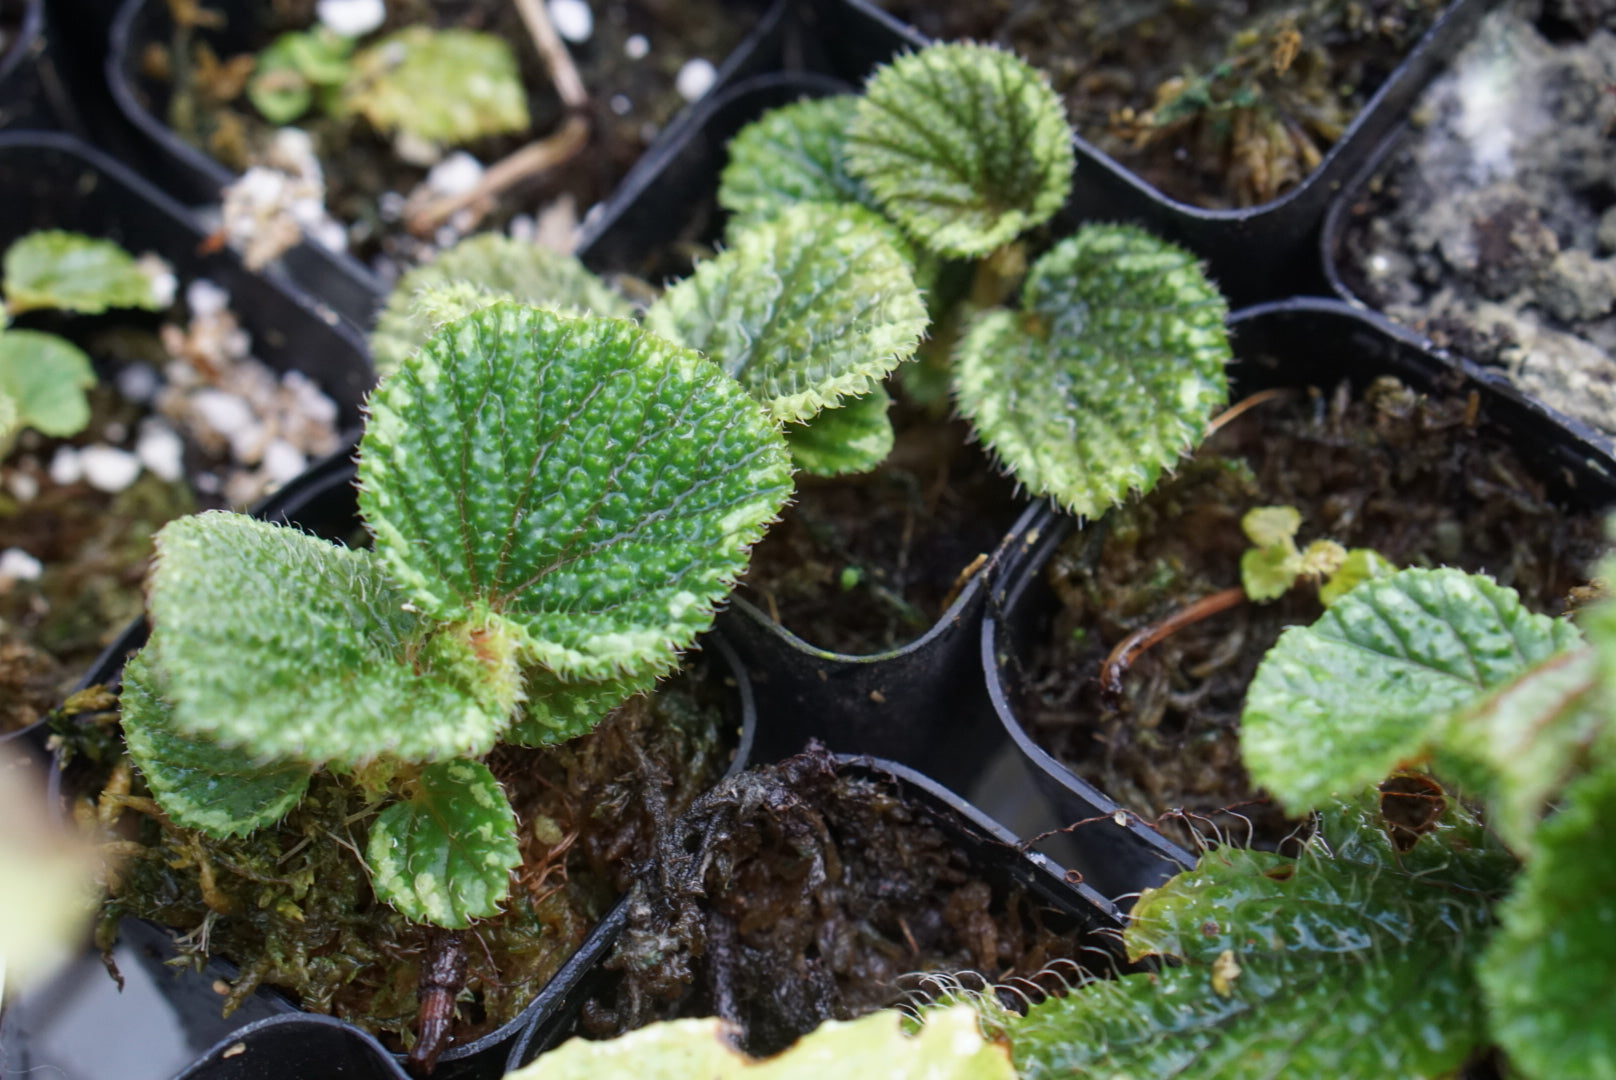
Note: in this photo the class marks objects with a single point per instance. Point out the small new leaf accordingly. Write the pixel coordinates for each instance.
(443, 86)
(476, 273)
(341, 670)
(853, 438)
(793, 155)
(586, 485)
(965, 146)
(1336, 705)
(1109, 373)
(804, 310)
(1272, 526)
(1360, 565)
(293, 67)
(444, 855)
(558, 710)
(43, 378)
(200, 784)
(55, 269)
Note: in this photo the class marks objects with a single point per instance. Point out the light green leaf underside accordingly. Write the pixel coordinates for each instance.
(1335, 706)
(443, 86)
(966, 146)
(340, 671)
(1352, 965)
(445, 854)
(590, 485)
(1108, 374)
(854, 438)
(556, 711)
(474, 274)
(804, 310)
(1547, 972)
(198, 783)
(55, 269)
(949, 1047)
(794, 154)
(45, 378)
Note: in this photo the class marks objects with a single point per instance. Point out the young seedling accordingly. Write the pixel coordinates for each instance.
(43, 377)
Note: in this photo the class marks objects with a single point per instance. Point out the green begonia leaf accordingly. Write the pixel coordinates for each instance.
(557, 710)
(851, 439)
(1548, 970)
(1267, 573)
(284, 78)
(443, 86)
(198, 783)
(1336, 705)
(1360, 565)
(804, 310)
(583, 484)
(794, 154)
(341, 669)
(1107, 375)
(55, 269)
(44, 377)
(948, 1047)
(965, 146)
(444, 855)
(1353, 960)
(476, 273)
(1271, 526)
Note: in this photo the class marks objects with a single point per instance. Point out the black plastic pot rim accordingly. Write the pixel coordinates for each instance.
(33, 18)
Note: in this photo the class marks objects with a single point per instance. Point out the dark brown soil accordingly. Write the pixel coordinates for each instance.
(1406, 476)
(1493, 229)
(796, 894)
(866, 563)
(630, 101)
(1219, 105)
(301, 915)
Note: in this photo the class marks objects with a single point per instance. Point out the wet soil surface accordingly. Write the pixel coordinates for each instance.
(865, 563)
(1406, 476)
(1493, 229)
(300, 915)
(633, 95)
(797, 893)
(1220, 105)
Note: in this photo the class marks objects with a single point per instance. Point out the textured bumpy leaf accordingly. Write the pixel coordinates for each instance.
(556, 711)
(586, 485)
(1107, 375)
(1351, 964)
(44, 377)
(200, 784)
(1334, 706)
(851, 439)
(965, 146)
(55, 269)
(794, 154)
(298, 649)
(444, 855)
(1548, 970)
(806, 309)
(949, 1047)
(475, 273)
(443, 86)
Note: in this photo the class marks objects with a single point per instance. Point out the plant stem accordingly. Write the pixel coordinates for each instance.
(554, 149)
(553, 51)
(1240, 408)
(1129, 648)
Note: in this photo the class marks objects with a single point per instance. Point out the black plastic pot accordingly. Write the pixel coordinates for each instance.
(21, 91)
(990, 848)
(1256, 254)
(1322, 342)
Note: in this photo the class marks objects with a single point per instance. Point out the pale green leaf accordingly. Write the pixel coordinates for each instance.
(287, 73)
(10, 417)
(804, 310)
(853, 438)
(587, 485)
(558, 710)
(1270, 526)
(45, 378)
(443, 86)
(198, 783)
(1321, 558)
(444, 854)
(299, 649)
(1550, 970)
(794, 154)
(1267, 573)
(1354, 960)
(1107, 375)
(474, 274)
(56, 269)
(1336, 705)
(965, 146)
(948, 1047)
